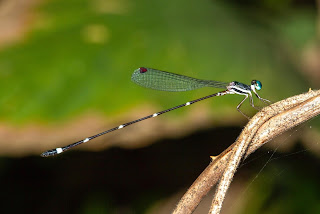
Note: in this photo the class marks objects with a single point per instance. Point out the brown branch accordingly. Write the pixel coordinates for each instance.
(264, 126)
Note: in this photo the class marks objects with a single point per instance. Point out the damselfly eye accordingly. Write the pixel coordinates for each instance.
(258, 85)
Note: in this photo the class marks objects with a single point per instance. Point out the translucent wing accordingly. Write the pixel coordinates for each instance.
(166, 81)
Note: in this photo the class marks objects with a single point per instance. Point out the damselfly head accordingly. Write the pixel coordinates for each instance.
(257, 84)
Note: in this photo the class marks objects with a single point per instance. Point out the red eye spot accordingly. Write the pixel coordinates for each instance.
(143, 70)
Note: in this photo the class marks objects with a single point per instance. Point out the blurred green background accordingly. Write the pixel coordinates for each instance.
(65, 68)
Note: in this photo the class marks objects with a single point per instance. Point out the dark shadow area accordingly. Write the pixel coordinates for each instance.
(124, 178)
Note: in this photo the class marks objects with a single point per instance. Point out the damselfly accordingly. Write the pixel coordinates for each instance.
(166, 81)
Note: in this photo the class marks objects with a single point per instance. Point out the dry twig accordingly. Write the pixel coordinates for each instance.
(264, 126)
